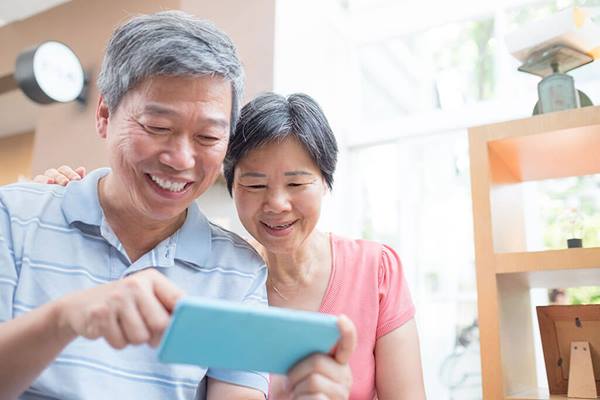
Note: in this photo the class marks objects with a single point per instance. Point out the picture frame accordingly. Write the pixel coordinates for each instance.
(560, 325)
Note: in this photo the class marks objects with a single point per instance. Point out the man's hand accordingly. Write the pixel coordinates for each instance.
(61, 175)
(133, 310)
(321, 376)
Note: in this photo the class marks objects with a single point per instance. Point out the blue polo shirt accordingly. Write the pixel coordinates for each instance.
(55, 240)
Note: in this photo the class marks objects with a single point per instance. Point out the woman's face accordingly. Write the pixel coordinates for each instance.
(277, 190)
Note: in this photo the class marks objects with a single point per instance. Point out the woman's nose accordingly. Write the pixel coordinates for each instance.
(277, 201)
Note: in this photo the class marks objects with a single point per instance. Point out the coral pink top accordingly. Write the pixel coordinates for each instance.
(368, 285)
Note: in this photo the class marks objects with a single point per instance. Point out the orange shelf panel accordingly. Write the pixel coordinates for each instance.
(540, 394)
(559, 154)
(580, 258)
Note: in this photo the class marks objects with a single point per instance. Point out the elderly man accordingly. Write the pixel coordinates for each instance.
(108, 257)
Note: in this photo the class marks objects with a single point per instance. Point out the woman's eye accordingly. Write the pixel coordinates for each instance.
(295, 184)
(254, 187)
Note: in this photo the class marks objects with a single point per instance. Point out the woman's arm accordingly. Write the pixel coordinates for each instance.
(398, 372)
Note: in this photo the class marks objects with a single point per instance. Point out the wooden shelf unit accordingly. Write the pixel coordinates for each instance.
(503, 156)
(536, 394)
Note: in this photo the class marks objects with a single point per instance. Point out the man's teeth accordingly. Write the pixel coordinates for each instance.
(168, 185)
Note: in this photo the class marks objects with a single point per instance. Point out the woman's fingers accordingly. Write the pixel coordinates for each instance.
(81, 171)
(347, 343)
(68, 173)
(43, 179)
(61, 175)
(321, 386)
(323, 375)
(56, 176)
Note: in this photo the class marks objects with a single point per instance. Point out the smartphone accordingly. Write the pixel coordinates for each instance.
(223, 334)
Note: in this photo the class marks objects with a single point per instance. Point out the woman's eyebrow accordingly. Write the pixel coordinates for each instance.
(253, 175)
(296, 173)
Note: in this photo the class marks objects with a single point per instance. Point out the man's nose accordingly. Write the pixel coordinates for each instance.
(277, 201)
(179, 154)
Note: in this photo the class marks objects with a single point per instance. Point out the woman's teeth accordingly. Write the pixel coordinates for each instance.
(280, 226)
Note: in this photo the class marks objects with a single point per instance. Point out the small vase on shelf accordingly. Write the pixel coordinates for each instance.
(573, 225)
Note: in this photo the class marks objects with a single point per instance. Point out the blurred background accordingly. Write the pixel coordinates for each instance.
(400, 81)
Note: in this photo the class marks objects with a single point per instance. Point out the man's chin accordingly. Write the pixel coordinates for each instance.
(167, 217)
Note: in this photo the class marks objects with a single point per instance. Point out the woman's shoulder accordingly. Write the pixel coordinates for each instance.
(361, 252)
(357, 246)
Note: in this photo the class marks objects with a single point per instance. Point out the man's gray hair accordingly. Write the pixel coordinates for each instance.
(168, 43)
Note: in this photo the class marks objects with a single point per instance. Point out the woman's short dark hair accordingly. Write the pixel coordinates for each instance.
(271, 117)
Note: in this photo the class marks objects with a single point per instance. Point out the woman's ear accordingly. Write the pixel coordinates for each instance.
(102, 116)
(326, 189)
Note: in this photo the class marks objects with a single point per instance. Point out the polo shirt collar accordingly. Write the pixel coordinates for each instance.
(81, 203)
(192, 240)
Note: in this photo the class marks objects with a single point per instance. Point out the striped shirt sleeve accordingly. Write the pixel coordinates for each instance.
(8, 268)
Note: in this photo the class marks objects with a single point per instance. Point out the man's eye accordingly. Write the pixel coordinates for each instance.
(159, 130)
(206, 139)
(255, 186)
(293, 184)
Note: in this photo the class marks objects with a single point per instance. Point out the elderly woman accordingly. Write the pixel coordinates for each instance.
(279, 165)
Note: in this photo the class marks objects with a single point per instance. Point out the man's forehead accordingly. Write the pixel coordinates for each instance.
(206, 96)
(211, 84)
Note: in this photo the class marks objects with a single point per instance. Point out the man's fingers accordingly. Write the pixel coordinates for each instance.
(347, 342)
(156, 297)
(165, 291)
(112, 332)
(155, 315)
(132, 324)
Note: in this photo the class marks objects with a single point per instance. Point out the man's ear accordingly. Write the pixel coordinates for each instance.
(102, 116)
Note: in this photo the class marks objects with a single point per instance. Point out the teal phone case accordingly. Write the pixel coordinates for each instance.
(222, 334)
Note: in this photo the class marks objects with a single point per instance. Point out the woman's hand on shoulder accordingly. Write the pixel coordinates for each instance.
(322, 376)
(61, 175)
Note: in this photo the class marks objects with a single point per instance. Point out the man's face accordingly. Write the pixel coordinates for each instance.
(166, 142)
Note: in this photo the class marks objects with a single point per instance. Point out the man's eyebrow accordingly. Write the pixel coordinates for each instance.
(297, 173)
(253, 175)
(157, 109)
(219, 122)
